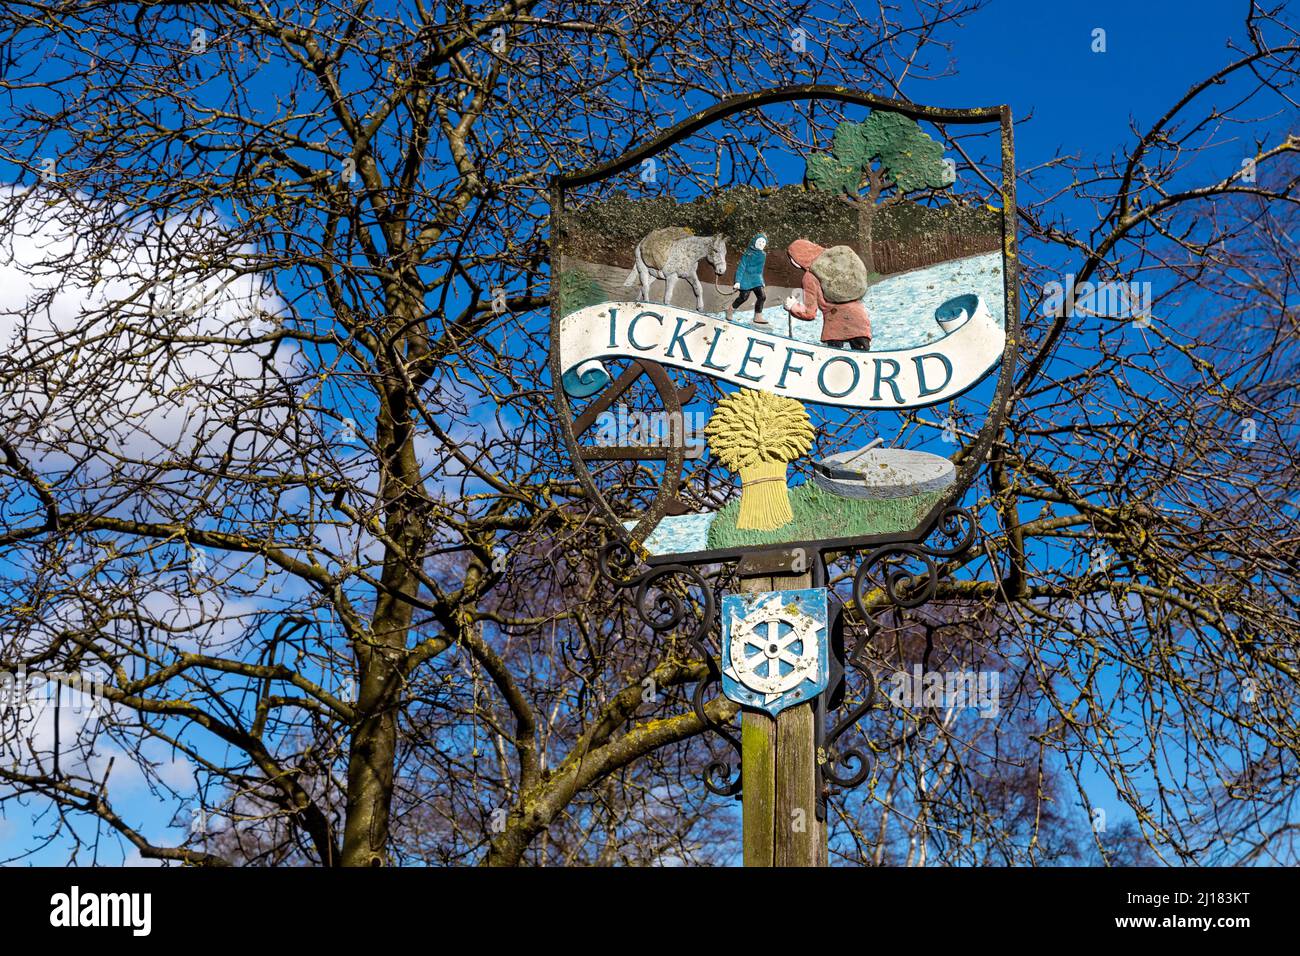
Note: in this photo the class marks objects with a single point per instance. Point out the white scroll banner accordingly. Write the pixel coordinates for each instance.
(903, 378)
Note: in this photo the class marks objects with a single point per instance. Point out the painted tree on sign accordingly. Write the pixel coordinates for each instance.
(889, 156)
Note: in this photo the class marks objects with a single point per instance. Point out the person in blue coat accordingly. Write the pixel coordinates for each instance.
(749, 277)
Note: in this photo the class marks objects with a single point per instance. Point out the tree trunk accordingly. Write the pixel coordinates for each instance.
(374, 741)
(866, 218)
(380, 659)
(370, 783)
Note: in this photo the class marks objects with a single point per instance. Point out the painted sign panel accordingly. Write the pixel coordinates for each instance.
(747, 364)
(774, 648)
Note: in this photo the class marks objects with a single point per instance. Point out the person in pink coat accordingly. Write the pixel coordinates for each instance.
(843, 323)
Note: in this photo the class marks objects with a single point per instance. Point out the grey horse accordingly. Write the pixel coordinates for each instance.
(671, 254)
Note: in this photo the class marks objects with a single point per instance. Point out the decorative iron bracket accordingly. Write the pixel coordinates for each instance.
(663, 607)
(840, 767)
(662, 603)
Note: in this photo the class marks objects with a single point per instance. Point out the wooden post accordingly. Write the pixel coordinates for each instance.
(757, 770)
(778, 773)
(758, 796)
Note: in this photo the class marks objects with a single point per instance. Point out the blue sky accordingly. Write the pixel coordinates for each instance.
(1037, 57)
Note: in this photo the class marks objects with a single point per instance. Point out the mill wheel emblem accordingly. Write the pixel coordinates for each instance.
(774, 654)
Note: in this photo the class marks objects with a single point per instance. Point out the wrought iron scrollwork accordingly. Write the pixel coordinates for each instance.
(907, 589)
(849, 766)
(844, 767)
(661, 604)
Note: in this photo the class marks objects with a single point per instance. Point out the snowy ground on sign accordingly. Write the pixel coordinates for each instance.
(901, 307)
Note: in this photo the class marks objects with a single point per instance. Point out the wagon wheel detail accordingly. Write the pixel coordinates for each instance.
(761, 670)
(673, 455)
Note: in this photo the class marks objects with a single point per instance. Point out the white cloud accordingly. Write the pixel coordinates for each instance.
(90, 299)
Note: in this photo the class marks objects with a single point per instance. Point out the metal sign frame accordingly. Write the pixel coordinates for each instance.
(945, 513)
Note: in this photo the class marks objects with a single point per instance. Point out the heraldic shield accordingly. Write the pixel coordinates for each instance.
(774, 648)
(789, 323)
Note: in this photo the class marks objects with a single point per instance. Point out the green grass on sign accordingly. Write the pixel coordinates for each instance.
(819, 515)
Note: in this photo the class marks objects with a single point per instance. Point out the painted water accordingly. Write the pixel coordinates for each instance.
(678, 534)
